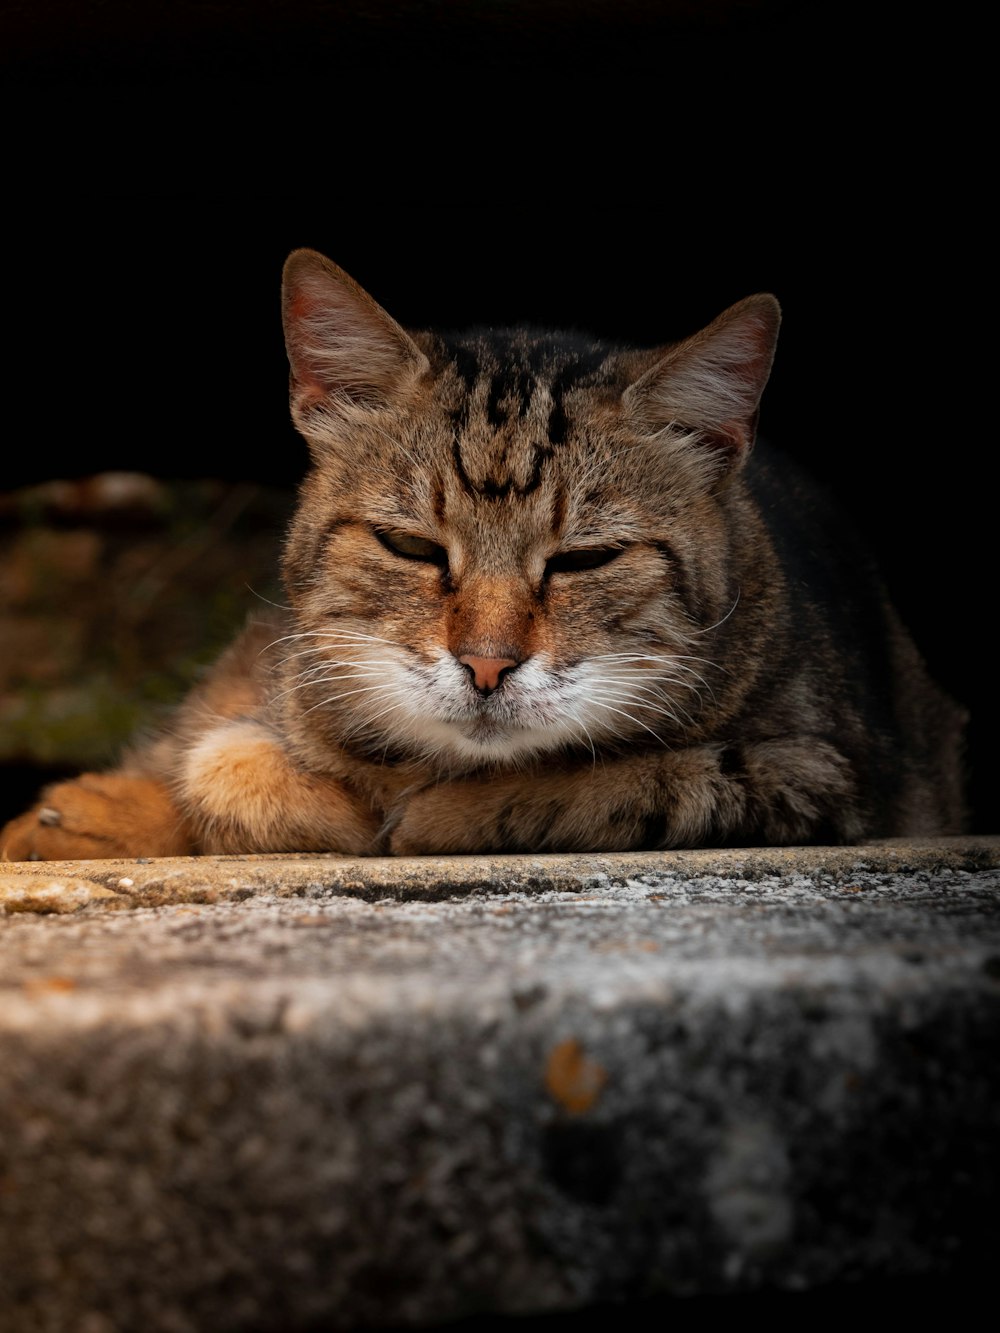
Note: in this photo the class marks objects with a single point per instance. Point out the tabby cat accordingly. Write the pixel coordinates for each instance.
(545, 594)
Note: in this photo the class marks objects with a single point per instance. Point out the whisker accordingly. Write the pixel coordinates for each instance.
(336, 698)
(324, 648)
(364, 722)
(708, 628)
(668, 708)
(636, 721)
(636, 689)
(677, 660)
(632, 719)
(662, 712)
(366, 665)
(345, 635)
(321, 680)
(656, 684)
(590, 742)
(278, 606)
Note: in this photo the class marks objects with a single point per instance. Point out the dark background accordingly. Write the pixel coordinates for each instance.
(628, 168)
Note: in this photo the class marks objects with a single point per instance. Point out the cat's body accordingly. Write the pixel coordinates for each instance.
(544, 595)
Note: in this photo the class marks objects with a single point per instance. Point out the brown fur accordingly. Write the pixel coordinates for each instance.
(544, 594)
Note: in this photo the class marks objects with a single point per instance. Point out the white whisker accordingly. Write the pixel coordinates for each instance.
(336, 698)
(708, 628)
(364, 722)
(632, 719)
(266, 600)
(322, 680)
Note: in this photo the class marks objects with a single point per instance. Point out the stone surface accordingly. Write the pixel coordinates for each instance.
(290, 1093)
(49, 893)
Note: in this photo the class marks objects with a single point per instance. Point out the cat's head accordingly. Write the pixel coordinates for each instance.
(510, 542)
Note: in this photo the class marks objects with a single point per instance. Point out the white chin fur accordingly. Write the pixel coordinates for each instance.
(442, 719)
(469, 744)
(437, 715)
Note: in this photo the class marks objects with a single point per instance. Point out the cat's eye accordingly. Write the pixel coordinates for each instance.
(589, 557)
(411, 547)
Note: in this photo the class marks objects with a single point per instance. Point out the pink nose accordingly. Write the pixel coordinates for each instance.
(486, 671)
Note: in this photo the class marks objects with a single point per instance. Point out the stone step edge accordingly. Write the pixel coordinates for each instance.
(114, 885)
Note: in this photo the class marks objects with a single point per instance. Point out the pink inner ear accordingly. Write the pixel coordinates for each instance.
(731, 438)
(309, 386)
(308, 394)
(300, 305)
(733, 434)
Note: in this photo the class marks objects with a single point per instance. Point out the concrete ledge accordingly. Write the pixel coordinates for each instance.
(283, 1093)
(208, 879)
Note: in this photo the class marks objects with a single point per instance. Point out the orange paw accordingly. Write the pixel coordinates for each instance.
(95, 816)
(245, 794)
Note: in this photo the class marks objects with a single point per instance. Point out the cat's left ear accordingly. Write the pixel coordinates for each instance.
(343, 349)
(711, 383)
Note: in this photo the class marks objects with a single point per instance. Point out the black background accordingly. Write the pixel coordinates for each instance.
(626, 168)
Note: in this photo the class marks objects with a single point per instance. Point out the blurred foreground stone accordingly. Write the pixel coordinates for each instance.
(271, 1094)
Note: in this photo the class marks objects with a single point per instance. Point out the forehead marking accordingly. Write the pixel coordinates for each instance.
(516, 374)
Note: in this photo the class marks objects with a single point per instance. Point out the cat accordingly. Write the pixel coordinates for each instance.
(545, 594)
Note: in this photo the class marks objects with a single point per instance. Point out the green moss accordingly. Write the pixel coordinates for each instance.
(85, 724)
(112, 636)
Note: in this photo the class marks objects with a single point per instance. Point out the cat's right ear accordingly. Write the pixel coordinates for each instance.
(343, 349)
(711, 383)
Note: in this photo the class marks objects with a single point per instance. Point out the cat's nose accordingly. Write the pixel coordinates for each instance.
(487, 672)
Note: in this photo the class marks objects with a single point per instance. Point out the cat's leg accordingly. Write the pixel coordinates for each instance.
(243, 793)
(775, 792)
(98, 815)
(234, 790)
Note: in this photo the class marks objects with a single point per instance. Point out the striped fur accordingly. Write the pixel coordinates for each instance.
(545, 594)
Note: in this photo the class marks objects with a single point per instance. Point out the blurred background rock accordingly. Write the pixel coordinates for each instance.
(116, 591)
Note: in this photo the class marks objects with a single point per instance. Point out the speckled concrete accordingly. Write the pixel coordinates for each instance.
(285, 1093)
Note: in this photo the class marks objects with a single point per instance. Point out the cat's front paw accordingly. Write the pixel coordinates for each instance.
(95, 816)
(245, 793)
(470, 816)
(427, 826)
